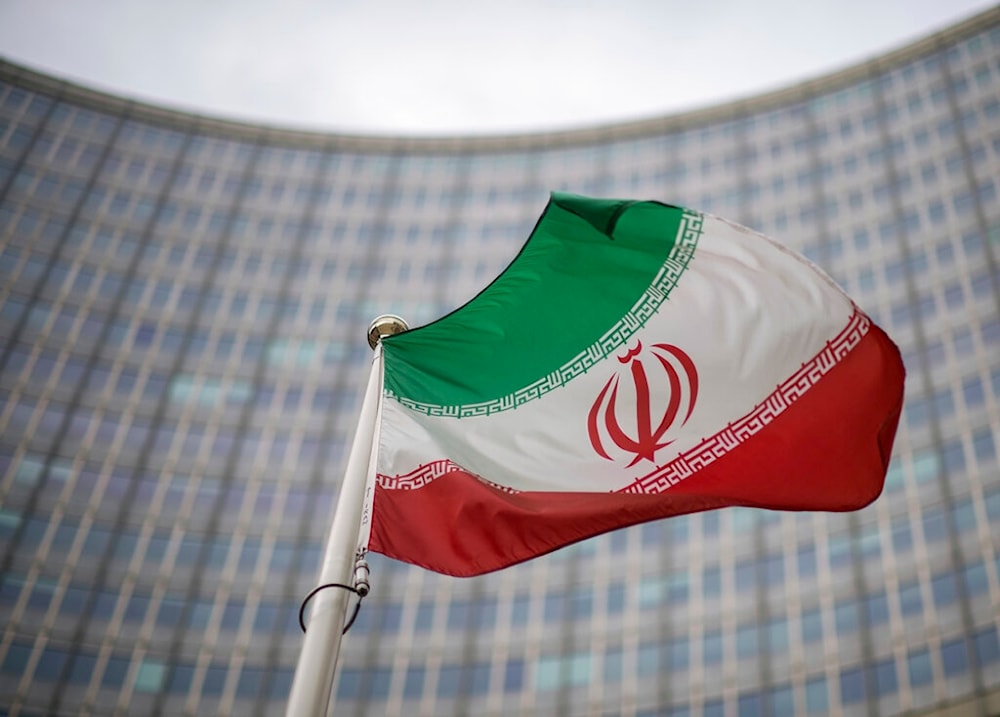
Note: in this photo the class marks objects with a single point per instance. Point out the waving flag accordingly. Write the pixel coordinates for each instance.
(635, 361)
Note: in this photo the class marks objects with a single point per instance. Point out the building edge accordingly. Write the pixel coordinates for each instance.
(630, 129)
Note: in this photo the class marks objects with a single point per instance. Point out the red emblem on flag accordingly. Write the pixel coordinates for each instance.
(672, 397)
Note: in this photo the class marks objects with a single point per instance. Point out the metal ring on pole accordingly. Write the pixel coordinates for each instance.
(313, 593)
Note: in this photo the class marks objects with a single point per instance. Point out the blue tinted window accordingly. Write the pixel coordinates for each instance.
(379, 681)
(349, 686)
(746, 578)
(613, 665)
(782, 702)
(746, 641)
(749, 705)
(954, 657)
(777, 635)
(877, 608)
(852, 686)
(817, 701)
(885, 678)
(812, 626)
(712, 581)
(987, 646)
(616, 598)
(715, 708)
(249, 682)
(943, 587)
(807, 560)
(677, 655)
(935, 528)
(448, 681)
(649, 658)
(458, 613)
(114, 672)
(50, 664)
(712, 648)
(910, 600)
(919, 666)
(982, 445)
(414, 685)
(170, 612)
(513, 680)
(519, 609)
(82, 669)
(902, 536)
(976, 582)
(846, 617)
(215, 680)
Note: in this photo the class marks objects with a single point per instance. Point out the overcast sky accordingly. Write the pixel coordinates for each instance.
(422, 67)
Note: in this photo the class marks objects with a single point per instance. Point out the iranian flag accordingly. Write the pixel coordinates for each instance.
(635, 361)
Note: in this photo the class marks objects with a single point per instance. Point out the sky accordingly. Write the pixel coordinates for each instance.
(442, 67)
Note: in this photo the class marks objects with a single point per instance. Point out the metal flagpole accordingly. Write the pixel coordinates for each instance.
(314, 673)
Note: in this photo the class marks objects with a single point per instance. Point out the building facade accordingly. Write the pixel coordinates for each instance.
(183, 305)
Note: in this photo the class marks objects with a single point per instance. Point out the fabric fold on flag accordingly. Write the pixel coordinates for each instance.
(635, 361)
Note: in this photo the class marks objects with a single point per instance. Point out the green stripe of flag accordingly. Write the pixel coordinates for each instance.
(546, 307)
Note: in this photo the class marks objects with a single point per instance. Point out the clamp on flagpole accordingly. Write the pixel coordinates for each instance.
(345, 548)
(361, 588)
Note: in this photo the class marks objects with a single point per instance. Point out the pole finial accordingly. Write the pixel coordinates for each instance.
(385, 325)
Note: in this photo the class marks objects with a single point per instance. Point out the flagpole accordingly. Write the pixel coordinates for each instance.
(314, 673)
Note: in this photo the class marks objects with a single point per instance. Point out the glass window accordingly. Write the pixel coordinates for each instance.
(777, 635)
(265, 617)
(910, 600)
(649, 658)
(749, 705)
(170, 612)
(82, 669)
(114, 672)
(378, 683)
(712, 648)
(613, 665)
(902, 536)
(50, 664)
(746, 578)
(877, 609)
(149, 676)
(935, 528)
(846, 616)
(712, 581)
(714, 708)
(982, 445)
(677, 654)
(976, 582)
(513, 680)
(807, 560)
(987, 646)
(885, 678)
(774, 570)
(954, 657)
(616, 598)
(281, 684)
(944, 590)
(350, 683)
(746, 641)
(250, 681)
(817, 700)
(781, 702)
(414, 685)
(16, 659)
(919, 666)
(425, 616)
(812, 626)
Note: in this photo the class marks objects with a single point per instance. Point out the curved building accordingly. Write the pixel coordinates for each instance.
(183, 303)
